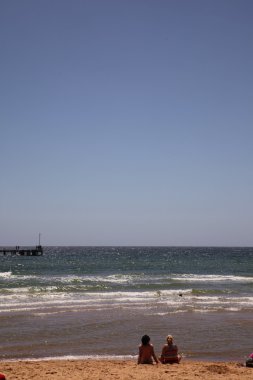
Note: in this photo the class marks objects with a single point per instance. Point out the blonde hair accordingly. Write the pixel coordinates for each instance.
(169, 337)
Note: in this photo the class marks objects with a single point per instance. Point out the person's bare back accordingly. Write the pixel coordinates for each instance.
(146, 352)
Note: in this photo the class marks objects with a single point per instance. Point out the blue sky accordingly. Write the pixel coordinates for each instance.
(126, 122)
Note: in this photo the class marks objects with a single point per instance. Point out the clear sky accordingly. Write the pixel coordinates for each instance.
(126, 122)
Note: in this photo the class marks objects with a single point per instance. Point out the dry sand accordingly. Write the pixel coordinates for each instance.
(121, 370)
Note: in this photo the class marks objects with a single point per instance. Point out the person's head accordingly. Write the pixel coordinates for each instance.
(169, 339)
(145, 340)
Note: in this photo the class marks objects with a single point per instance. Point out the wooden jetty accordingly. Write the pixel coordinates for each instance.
(22, 251)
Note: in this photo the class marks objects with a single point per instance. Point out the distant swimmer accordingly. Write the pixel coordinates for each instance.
(180, 294)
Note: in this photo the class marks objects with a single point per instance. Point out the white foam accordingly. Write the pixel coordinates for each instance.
(210, 278)
(5, 274)
(77, 357)
(52, 302)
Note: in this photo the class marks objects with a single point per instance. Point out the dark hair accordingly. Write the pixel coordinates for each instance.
(145, 340)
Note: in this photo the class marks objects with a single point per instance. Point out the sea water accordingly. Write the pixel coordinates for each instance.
(84, 302)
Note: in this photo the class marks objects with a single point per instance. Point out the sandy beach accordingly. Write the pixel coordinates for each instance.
(123, 370)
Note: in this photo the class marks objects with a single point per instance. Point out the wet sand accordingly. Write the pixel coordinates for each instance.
(122, 370)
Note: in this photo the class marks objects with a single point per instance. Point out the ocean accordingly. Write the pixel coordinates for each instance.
(92, 302)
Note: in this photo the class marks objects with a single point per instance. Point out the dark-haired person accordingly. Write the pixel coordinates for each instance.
(146, 351)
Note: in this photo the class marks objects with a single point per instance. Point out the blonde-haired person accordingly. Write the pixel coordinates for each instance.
(170, 352)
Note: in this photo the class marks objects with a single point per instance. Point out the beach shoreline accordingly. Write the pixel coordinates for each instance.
(121, 369)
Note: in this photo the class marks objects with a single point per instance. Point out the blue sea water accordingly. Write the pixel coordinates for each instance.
(99, 301)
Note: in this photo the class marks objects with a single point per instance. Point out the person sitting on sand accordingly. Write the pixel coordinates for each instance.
(249, 361)
(170, 352)
(146, 351)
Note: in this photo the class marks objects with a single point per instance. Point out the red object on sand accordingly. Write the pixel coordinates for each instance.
(2, 377)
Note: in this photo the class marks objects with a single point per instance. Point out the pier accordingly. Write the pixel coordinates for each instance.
(22, 251)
